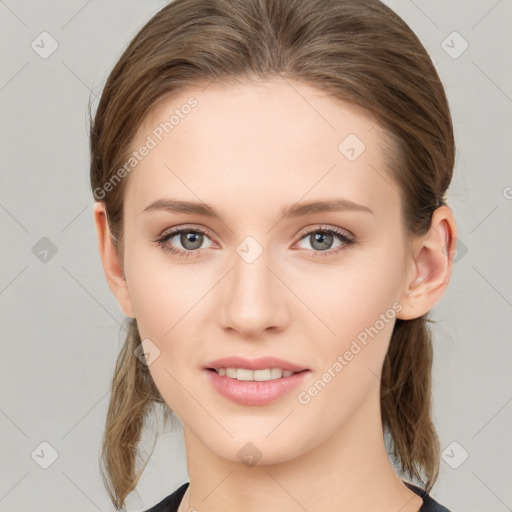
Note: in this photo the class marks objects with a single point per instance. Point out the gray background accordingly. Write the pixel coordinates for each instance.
(60, 325)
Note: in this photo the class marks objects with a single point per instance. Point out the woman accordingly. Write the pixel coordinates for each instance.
(269, 178)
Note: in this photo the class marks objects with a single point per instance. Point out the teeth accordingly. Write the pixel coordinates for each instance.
(255, 375)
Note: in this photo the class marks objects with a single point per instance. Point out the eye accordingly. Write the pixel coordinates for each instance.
(190, 238)
(321, 240)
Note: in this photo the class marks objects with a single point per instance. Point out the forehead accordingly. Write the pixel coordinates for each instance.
(272, 142)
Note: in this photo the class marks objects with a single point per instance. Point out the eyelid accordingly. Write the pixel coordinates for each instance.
(303, 232)
(184, 227)
(325, 227)
(169, 233)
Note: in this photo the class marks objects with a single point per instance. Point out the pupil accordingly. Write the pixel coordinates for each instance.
(195, 239)
(325, 240)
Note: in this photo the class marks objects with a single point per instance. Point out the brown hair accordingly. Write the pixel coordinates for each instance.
(359, 51)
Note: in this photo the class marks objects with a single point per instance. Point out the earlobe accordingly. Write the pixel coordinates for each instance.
(112, 267)
(432, 266)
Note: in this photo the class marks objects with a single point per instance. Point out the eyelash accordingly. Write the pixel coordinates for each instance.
(161, 241)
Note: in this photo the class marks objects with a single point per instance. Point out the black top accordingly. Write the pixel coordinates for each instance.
(172, 502)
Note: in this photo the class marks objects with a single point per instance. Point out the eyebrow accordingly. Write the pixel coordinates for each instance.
(290, 211)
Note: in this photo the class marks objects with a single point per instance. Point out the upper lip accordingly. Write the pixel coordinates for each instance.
(261, 363)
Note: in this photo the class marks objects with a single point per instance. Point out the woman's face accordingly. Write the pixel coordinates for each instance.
(253, 282)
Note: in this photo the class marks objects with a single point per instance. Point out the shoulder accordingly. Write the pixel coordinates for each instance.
(429, 503)
(171, 502)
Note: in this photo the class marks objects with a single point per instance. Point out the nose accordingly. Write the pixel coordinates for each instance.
(254, 298)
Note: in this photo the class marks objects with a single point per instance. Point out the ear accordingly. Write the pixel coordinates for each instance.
(431, 265)
(112, 267)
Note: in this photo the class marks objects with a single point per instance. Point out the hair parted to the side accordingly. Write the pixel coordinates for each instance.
(358, 51)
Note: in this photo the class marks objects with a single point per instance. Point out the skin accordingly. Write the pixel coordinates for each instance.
(249, 150)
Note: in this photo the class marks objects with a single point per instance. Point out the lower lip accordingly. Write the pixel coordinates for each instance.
(248, 392)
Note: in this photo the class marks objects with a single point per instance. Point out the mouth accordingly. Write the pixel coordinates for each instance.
(239, 367)
(246, 374)
(244, 389)
(254, 382)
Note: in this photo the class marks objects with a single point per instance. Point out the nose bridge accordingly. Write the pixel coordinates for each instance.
(254, 299)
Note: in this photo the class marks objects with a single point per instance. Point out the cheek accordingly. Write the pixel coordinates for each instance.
(161, 292)
(349, 364)
(163, 301)
(356, 303)
(349, 298)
